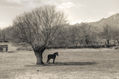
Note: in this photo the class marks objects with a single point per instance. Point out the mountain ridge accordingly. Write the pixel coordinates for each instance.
(112, 21)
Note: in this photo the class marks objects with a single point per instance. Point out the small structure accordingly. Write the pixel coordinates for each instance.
(3, 48)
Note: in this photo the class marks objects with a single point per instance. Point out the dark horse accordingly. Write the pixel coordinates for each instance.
(52, 56)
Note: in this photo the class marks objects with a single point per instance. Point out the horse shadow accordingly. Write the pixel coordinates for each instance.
(64, 64)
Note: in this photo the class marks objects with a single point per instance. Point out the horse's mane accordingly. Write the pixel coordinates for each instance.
(56, 53)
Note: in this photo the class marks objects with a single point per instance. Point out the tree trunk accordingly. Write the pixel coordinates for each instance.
(39, 58)
(108, 43)
(118, 42)
(38, 53)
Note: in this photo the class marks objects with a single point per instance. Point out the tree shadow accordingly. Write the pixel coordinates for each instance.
(70, 64)
(34, 65)
(64, 64)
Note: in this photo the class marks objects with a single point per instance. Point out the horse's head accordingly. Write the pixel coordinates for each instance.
(56, 53)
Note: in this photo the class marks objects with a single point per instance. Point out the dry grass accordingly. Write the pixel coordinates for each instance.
(71, 64)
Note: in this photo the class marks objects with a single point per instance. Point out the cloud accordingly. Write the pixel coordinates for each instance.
(112, 13)
(61, 4)
(3, 25)
(15, 1)
(75, 10)
(20, 1)
(66, 5)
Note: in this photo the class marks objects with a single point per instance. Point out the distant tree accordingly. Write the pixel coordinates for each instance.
(74, 35)
(115, 35)
(107, 34)
(38, 28)
(84, 33)
(6, 34)
(0, 34)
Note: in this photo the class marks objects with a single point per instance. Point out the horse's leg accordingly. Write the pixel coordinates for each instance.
(53, 60)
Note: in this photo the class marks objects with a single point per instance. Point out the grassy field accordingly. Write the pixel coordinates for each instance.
(70, 64)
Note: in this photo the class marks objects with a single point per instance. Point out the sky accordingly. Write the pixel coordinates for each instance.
(76, 11)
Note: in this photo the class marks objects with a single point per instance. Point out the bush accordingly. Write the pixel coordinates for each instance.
(24, 48)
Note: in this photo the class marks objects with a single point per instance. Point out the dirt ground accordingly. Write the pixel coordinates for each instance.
(70, 64)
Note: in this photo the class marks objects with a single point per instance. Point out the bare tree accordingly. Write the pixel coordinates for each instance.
(38, 28)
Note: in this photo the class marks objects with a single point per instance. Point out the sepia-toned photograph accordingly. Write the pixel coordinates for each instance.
(59, 39)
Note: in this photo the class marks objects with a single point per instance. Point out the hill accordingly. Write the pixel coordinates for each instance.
(112, 21)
